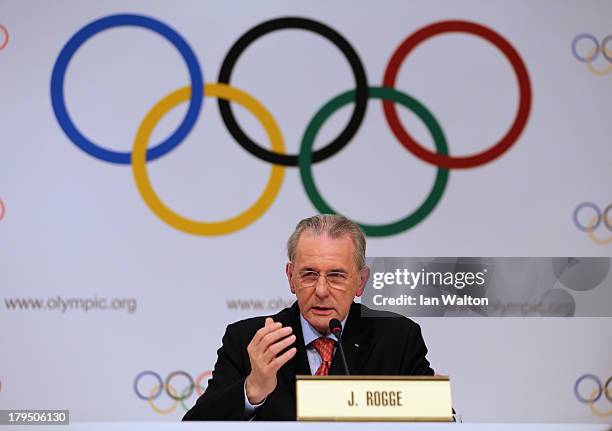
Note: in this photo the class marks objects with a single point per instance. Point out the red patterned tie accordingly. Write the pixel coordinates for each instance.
(325, 347)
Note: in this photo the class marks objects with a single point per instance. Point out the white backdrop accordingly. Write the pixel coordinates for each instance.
(76, 227)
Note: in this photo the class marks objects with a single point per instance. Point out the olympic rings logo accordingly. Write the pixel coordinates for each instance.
(5, 37)
(165, 386)
(592, 54)
(225, 93)
(594, 222)
(595, 394)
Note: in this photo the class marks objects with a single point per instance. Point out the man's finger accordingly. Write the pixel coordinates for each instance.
(281, 360)
(272, 337)
(264, 330)
(279, 346)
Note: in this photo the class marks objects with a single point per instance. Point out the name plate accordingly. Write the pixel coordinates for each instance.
(373, 398)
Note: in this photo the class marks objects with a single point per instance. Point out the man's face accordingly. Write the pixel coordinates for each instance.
(330, 296)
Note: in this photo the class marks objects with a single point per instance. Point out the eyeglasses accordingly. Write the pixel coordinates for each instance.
(335, 279)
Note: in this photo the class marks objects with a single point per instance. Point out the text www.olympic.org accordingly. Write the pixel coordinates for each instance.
(57, 303)
(258, 304)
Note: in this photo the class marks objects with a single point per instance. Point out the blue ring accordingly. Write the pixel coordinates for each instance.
(591, 38)
(148, 373)
(95, 27)
(587, 205)
(599, 386)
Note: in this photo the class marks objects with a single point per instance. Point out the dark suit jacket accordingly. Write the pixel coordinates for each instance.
(374, 343)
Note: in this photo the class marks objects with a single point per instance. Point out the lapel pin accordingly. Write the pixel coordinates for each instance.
(356, 345)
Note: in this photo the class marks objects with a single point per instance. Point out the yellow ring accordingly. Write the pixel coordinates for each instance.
(157, 409)
(594, 409)
(598, 72)
(592, 234)
(176, 220)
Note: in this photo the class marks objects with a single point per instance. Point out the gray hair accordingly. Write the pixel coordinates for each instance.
(333, 225)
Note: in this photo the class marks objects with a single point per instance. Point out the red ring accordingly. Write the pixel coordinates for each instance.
(6, 37)
(524, 95)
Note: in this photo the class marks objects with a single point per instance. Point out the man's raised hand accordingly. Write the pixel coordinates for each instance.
(265, 360)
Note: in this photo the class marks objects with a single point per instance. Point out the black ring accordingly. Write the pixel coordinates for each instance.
(179, 373)
(606, 390)
(606, 217)
(343, 45)
(604, 49)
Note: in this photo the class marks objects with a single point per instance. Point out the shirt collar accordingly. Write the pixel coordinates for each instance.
(310, 334)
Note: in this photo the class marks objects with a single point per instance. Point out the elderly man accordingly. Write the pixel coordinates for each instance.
(254, 377)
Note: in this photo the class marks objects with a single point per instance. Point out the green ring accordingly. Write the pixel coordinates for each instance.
(385, 93)
(185, 392)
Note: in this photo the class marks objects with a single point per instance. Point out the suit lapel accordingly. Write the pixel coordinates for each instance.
(357, 343)
(299, 363)
(300, 360)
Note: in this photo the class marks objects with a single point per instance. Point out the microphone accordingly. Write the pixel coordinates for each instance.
(335, 328)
